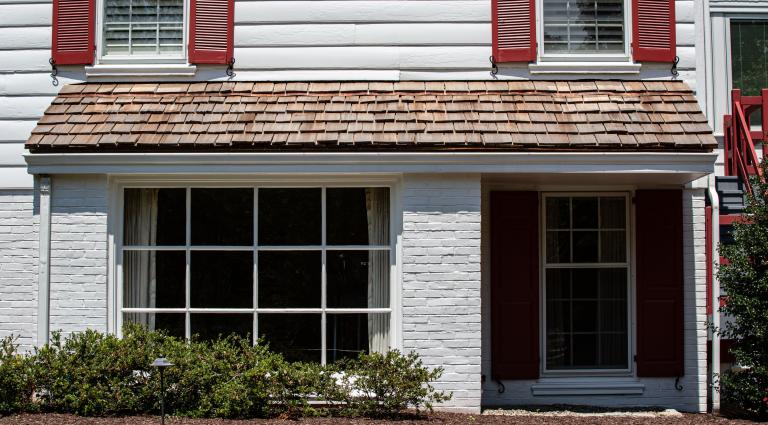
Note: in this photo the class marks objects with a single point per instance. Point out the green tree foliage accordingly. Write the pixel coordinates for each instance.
(745, 282)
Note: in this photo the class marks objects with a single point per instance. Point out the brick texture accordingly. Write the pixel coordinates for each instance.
(79, 253)
(18, 266)
(441, 280)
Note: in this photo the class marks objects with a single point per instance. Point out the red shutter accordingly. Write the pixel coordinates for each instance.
(653, 32)
(514, 30)
(659, 240)
(211, 31)
(73, 32)
(515, 285)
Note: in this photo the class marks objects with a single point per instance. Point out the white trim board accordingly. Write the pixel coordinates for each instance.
(684, 166)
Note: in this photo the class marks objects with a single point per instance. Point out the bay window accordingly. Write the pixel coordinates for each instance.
(586, 282)
(307, 269)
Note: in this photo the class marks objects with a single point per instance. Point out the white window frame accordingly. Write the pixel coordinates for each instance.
(584, 57)
(116, 248)
(103, 59)
(543, 266)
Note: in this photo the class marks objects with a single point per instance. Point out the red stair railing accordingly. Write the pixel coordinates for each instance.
(740, 154)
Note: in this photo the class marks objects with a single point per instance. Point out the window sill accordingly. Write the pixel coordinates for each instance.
(584, 68)
(143, 70)
(587, 386)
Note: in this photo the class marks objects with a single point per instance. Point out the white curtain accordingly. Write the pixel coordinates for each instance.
(139, 268)
(377, 207)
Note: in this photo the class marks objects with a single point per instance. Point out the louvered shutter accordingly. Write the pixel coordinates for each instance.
(659, 240)
(653, 32)
(211, 31)
(73, 32)
(514, 30)
(515, 285)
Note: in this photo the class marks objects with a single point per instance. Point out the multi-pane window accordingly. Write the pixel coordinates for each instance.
(307, 269)
(586, 282)
(749, 59)
(579, 26)
(143, 27)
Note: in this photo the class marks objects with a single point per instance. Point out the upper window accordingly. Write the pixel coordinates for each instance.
(749, 60)
(307, 269)
(586, 283)
(583, 27)
(143, 28)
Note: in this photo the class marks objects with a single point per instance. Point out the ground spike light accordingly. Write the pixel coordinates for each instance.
(161, 363)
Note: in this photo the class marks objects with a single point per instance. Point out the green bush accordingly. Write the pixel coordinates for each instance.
(744, 280)
(95, 374)
(15, 381)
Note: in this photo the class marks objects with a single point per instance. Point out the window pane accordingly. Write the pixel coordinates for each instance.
(348, 335)
(612, 213)
(613, 247)
(585, 310)
(222, 279)
(584, 246)
(290, 217)
(584, 213)
(154, 279)
(295, 336)
(208, 326)
(749, 59)
(222, 216)
(558, 246)
(357, 216)
(577, 26)
(358, 279)
(558, 213)
(143, 27)
(154, 217)
(290, 279)
(170, 323)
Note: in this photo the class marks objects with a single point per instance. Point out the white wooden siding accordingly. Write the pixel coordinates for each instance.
(298, 40)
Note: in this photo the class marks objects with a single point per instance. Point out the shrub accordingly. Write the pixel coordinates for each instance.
(95, 374)
(745, 281)
(15, 379)
(386, 384)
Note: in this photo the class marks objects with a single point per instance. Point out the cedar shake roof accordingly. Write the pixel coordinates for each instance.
(516, 115)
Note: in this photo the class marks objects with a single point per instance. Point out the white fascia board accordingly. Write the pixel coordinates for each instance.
(689, 163)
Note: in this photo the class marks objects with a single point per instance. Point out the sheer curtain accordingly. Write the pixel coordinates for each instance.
(377, 208)
(139, 267)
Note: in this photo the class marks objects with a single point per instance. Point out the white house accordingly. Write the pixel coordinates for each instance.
(517, 190)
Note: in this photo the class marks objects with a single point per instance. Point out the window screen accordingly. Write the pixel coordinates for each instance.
(143, 27)
(572, 26)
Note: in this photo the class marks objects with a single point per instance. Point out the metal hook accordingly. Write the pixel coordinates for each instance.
(502, 388)
(494, 67)
(677, 384)
(674, 67)
(54, 72)
(231, 68)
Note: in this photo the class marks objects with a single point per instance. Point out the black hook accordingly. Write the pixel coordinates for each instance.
(502, 388)
(54, 72)
(231, 68)
(674, 66)
(677, 384)
(494, 67)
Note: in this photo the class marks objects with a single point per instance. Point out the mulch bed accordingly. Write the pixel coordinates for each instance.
(437, 418)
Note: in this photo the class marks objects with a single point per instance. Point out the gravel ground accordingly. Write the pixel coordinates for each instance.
(437, 418)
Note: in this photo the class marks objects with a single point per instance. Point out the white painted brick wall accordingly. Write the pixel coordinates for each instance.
(658, 391)
(79, 253)
(18, 266)
(441, 280)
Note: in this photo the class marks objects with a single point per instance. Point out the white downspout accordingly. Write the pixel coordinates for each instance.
(715, 359)
(44, 264)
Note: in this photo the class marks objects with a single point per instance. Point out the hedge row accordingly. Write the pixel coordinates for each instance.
(95, 374)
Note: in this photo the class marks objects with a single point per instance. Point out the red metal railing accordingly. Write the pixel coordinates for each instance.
(740, 154)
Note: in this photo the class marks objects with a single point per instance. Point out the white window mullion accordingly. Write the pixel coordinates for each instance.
(255, 264)
(188, 252)
(323, 279)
